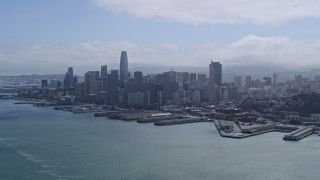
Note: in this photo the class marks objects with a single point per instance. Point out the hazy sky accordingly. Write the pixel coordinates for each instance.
(49, 35)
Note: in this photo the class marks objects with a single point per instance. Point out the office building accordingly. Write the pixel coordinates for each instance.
(237, 80)
(69, 79)
(79, 91)
(215, 78)
(123, 68)
(129, 87)
(135, 99)
(193, 76)
(202, 77)
(90, 82)
(248, 82)
(275, 79)
(112, 88)
(138, 77)
(104, 71)
(185, 77)
(44, 83)
(215, 73)
(268, 81)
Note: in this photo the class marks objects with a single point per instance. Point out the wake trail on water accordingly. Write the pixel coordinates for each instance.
(50, 170)
(13, 114)
(47, 169)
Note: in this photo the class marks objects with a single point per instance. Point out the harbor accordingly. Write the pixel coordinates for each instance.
(236, 131)
(226, 128)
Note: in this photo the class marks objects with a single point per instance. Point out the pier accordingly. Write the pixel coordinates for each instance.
(298, 134)
(185, 120)
(105, 114)
(229, 130)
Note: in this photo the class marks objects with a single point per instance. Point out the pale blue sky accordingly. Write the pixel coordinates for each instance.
(35, 29)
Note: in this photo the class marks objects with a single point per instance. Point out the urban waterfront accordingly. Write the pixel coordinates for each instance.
(41, 143)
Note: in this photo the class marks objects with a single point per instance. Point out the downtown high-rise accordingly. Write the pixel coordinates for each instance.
(215, 79)
(123, 68)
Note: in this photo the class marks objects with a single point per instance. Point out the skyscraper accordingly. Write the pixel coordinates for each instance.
(298, 81)
(123, 68)
(90, 82)
(185, 77)
(129, 87)
(275, 79)
(248, 82)
(104, 71)
(215, 73)
(202, 77)
(237, 80)
(69, 80)
(193, 76)
(268, 81)
(215, 78)
(112, 88)
(79, 91)
(138, 77)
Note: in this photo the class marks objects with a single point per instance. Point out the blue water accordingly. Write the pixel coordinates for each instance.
(41, 143)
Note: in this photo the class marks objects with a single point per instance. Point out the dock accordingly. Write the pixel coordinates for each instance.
(106, 113)
(86, 111)
(185, 120)
(296, 132)
(156, 119)
(299, 134)
(24, 102)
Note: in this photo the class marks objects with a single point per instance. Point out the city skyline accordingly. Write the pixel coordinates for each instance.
(282, 35)
(165, 89)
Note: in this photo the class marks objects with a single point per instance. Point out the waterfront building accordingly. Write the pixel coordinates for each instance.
(123, 68)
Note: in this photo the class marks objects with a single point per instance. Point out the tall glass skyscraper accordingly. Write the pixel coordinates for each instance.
(215, 73)
(123, 67)
(215, 78)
